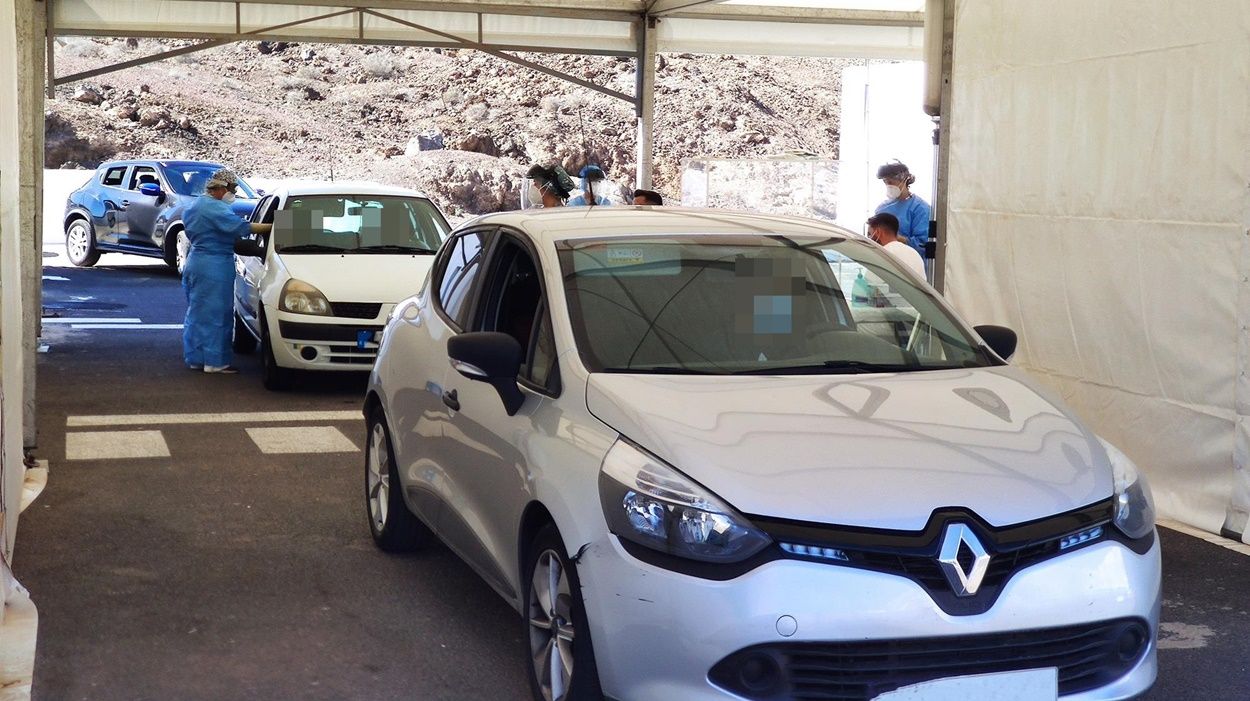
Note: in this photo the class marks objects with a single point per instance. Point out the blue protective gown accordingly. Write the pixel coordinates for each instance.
(209, 281)
(581, 201)
(913, 219)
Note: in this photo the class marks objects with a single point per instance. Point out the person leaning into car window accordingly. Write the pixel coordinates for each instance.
(208, 278)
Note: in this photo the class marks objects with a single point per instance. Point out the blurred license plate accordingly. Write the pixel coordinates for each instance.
(1026, 685)
(362, 338)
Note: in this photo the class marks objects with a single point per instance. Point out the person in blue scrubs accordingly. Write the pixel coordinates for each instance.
(913, 213)
(208, 276)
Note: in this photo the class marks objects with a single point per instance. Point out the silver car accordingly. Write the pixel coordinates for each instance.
(727, 456)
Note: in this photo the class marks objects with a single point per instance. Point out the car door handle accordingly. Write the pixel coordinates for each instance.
(452, 400)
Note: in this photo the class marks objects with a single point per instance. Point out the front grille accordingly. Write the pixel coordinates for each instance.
(914, 554)
(296, 331)
(1086, 656)
(356, 310)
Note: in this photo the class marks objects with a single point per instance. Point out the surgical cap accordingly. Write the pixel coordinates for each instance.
(223, 178)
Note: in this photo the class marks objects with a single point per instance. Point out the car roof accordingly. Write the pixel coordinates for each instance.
(341, 187)
(159, 161)
(571, 223)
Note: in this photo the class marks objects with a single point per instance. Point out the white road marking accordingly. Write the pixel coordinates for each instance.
(1203, 535)
(127, 326)
(113, 445)
(90, 320)
(301, 439)
(239, 417)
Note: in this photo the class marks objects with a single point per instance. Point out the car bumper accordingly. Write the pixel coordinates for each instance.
(324, 343)
(657, 633)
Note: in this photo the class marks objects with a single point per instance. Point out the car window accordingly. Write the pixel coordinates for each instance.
(190, 179)
(458, 274)
(141, 175)
(359, 224)
(114, 176)
(755, 305)
(513, 304)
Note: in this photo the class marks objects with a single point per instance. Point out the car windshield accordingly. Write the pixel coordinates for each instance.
(190, 179)
(358, 224)
(755, 305)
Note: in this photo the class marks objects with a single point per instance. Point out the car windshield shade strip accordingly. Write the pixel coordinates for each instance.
(379, 224)
(755, 304)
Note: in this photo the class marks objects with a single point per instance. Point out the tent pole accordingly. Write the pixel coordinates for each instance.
(644, 99)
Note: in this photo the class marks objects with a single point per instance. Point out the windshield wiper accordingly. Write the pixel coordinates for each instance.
(662, 370)
(832, 367)
(310, 248)
(394, 248)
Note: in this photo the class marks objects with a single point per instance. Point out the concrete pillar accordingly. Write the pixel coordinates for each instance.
(22, 24)
(644, 101)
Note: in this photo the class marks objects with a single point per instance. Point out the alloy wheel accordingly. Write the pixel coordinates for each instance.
(182, 247)
(551, 626)
(78, 241)
(378, 478)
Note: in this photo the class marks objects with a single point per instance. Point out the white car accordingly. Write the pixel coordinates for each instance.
(314, 292)
(701, 468)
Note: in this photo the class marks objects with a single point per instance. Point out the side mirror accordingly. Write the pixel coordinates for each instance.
(150, 189)
(262, 193)
(490, 357)
(1000, 339)
(248, 247)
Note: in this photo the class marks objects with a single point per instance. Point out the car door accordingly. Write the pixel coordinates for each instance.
(140, 211)
(417, 410)
(111, 225)
(250, 270)
(487, 460)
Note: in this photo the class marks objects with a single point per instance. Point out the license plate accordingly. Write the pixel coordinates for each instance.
(1026, 685)
(363, 338)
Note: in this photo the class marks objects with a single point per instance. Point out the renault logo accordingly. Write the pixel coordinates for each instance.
(964, 582)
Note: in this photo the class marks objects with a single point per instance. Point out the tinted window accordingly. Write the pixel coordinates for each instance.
(755, 304)
(358, 224)
(513, 304)
(541, 360)
(113, 176)
(461, 268)
(141, 175)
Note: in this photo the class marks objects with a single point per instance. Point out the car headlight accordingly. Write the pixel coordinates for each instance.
(650, 503)
(1134, 506)
(302, 298)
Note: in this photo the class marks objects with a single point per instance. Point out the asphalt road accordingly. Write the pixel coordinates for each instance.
(220, 571)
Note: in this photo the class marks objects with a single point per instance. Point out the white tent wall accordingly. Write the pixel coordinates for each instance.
(1098, 204)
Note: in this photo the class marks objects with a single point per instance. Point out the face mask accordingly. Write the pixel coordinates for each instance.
(892, 192)
(535, 195)
(228, 198)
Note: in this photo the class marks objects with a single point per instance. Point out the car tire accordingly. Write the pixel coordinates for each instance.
(80, 245)
(560, 657)
(176, 247)
(393, 526)
(274, 377)
(244, 341)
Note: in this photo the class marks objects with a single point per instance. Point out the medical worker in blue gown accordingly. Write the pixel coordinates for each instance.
(912, 212)
(208, 277)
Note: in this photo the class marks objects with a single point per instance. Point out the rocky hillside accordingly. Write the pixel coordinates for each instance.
(460, 125)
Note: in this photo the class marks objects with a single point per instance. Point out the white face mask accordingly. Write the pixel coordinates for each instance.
(228, 198)
(892, 192)
(535, 195)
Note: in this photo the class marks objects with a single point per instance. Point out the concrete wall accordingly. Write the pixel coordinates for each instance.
(1099, 161)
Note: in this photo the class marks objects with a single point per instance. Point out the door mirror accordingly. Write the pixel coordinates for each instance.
(150, 189)
(490, 357)
(1000, 339)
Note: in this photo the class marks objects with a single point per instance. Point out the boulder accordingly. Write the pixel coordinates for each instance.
(88, 96)
(428, 141)
(152, 116)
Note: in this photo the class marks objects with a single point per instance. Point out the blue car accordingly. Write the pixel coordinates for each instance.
(137, 206)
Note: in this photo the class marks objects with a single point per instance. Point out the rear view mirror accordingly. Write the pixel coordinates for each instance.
(490, 357)
(1000, 339)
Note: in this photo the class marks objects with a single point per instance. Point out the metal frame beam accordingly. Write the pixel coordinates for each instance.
(644, 107)
(659, 8)
(53, 82)
(622, 11)
(478, 46)
(805, 15)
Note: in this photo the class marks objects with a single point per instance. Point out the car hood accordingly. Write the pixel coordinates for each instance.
(880, 451)
(359, 277)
